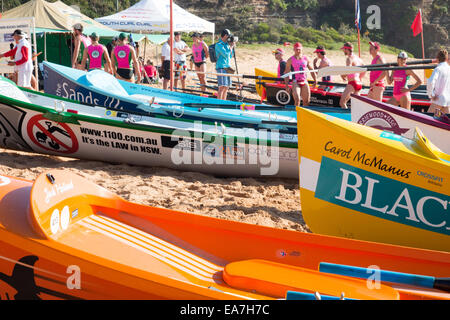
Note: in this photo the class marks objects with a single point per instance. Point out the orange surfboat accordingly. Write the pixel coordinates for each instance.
(63, 237)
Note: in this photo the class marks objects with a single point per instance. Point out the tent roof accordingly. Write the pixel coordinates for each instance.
(154, 15)
(46, 15)
(58, 17)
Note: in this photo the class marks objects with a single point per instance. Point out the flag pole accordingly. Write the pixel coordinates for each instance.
(171, 45)
(357, 19)
(423, 47)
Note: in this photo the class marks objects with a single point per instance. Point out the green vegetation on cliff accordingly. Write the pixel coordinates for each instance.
(311, 21)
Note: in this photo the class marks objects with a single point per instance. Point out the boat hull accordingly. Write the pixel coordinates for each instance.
(276, 94)
(99, 134)
(400, 121)
(62, 237)
(363, 183)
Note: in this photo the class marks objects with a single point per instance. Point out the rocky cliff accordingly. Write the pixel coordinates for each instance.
(396, 17)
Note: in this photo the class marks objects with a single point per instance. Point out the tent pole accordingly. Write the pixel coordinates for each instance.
(45, 46)
(171, 45)
(36, 74)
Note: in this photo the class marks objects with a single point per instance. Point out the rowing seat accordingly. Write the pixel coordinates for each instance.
(275, 279)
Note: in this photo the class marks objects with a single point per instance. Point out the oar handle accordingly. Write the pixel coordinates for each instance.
(295, 295)
(388, 276)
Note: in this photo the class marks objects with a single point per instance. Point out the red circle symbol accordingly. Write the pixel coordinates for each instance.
(52, 136)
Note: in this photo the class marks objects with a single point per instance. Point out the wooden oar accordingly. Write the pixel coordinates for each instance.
(343, 70)
(388, 276)
(394, 64)
(245, 76)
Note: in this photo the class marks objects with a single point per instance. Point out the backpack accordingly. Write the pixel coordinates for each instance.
(212, 52)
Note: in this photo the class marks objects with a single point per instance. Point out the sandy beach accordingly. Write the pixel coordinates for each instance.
(269, 202)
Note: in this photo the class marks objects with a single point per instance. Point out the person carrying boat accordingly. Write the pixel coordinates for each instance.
(377, 85)
(300, 87)
(22, 59)
(401, 93)
(438, 86)
(279, 56)
(97, 54)
(324, 62)
(354, 80)
(224, 52)
(79, 43)
(123, 59)
(200, 53)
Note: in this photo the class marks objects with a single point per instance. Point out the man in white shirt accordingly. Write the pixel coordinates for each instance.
(438, 86)
(22, 59)
(179, 49)
(165, 63)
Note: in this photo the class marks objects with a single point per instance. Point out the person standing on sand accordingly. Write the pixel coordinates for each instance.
(97, 55)
(224, 52)
(401, 92)
(123, 59)
(200, 53)
(79, 43)
(300, 86)
(377, 85)
(22, 62)
(324, 62)
(438, 86)
(165, 63)
(180, 48)
(354, 80)
(279, 56)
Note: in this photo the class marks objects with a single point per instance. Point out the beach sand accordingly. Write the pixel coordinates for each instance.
(269, 202)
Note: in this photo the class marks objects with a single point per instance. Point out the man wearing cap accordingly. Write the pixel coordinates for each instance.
(299, 63)
(123, 59)
(97, 55)
(79, 42)
(401, 95)
(180, 48)
(224, 52)
(324, 62)
(279, 56)
(438, 85)
(377, 85)
(354, 80)
(22, 59)
(200, 53)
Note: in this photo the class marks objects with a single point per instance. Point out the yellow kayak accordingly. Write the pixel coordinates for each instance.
(363, 183)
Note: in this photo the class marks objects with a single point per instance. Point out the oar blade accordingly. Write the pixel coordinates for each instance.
(339, 71)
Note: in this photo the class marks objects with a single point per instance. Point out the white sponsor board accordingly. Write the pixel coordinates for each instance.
(7, 27)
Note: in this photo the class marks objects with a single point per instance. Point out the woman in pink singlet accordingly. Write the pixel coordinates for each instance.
(95, 53)
(300, 87)
(402, 94)
(124, 61)
(377, 85)
(200, 53)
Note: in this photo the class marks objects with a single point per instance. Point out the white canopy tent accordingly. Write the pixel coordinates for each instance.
(154, 16)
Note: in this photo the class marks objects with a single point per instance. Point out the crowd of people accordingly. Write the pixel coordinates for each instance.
(438, 85)
(121, 58)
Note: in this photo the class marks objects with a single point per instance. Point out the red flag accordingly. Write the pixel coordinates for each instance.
(417, 24)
